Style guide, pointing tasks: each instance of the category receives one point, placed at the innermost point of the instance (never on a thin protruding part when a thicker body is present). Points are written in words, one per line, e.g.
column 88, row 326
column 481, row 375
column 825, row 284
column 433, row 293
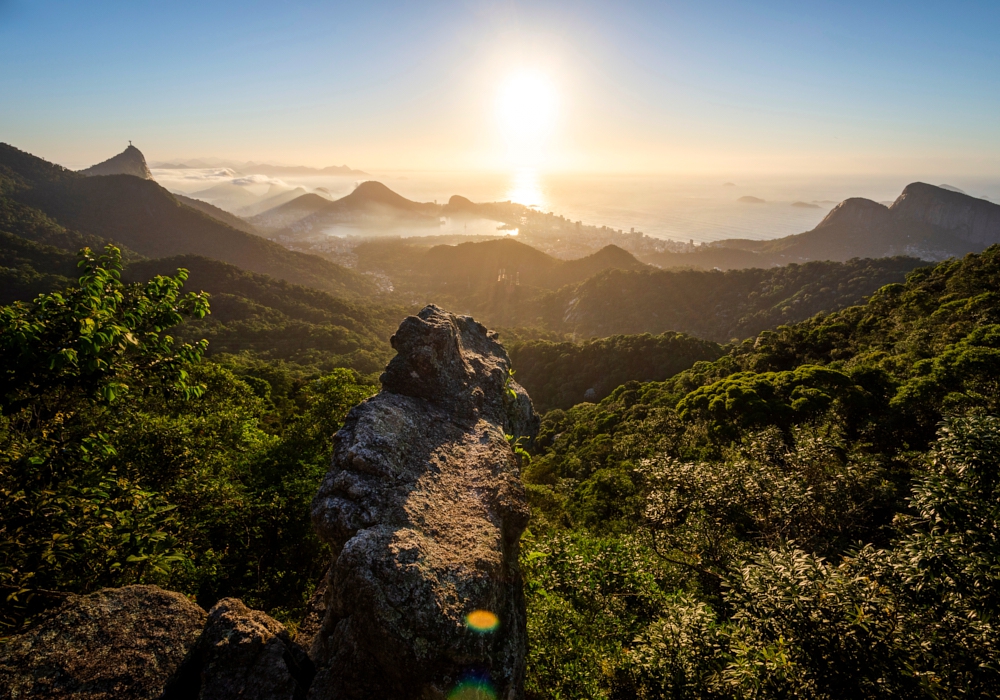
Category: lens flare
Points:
column 482, row 621
column 473, row 690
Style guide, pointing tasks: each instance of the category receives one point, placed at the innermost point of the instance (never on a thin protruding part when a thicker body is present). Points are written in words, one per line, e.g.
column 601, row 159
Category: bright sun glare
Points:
column 526, row 110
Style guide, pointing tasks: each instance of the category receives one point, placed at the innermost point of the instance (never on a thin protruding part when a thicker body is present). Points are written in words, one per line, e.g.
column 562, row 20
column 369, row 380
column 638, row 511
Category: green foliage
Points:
column 588, row 597
column 124, row 458
column 561, row 375
column 275, row 320
column 817, row 531
column 74, row 365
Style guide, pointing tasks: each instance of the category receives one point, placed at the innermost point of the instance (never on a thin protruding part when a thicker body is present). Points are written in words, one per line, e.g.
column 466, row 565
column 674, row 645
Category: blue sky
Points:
column 710, row 86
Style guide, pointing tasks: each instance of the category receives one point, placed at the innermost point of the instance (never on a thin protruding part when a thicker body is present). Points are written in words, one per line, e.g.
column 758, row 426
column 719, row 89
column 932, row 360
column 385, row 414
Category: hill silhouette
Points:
column 228, row 195
column 712, row 304
column 252, row 168
column 145, row 218
column 274, row 197
column 477, row 265
column 370, row 204
column 128, row 162
column 217, row 213
column 288, row 213
column 927, row 222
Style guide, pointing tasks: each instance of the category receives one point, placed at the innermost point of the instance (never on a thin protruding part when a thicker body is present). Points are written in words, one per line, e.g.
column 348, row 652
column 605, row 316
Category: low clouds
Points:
column 258, row 180
column 210, row 174
column 197, row 179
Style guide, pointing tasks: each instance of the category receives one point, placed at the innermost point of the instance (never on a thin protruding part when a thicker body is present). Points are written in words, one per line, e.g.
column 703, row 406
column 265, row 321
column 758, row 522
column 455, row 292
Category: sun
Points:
column 526, row 110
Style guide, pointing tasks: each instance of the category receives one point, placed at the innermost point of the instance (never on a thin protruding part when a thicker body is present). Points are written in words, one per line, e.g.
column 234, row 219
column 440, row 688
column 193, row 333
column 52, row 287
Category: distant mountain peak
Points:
column 373, row 192
column 857, row 211
column 953, row 189
column 960, row 215
column 128, row 162
column 372, row 189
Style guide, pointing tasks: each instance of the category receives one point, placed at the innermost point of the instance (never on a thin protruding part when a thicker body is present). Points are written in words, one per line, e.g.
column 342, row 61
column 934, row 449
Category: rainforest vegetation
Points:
column 809, row 510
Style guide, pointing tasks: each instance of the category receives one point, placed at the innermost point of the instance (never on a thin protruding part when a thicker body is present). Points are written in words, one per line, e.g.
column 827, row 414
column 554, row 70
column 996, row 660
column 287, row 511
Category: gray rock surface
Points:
column 242, row 653
column 966, row 218
column 115, row 643
column 424, row 509
column 308, row 631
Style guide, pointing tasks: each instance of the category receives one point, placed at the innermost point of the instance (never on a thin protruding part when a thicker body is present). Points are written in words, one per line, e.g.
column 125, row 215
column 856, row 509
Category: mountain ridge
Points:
column 146, row 218
column 128, row 162
column 924, row 221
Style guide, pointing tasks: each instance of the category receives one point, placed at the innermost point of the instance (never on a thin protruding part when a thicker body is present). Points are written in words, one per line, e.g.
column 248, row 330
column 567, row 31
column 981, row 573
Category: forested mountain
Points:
column 142, row 216
column 799, row 496
column 507, row 283
column 275, row 320
column 473, row 266
column 715, row 305
column 371, row 203
column 927, row 222
column 561, row 375
column 217, row 213
column 287, row 213
column 28, row 269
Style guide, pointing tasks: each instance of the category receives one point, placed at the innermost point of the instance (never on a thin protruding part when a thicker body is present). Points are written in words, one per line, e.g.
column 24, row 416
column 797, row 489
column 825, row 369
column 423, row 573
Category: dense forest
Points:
column 811, row 514
column 125, row 458
column 509, row 284
column 563, row 374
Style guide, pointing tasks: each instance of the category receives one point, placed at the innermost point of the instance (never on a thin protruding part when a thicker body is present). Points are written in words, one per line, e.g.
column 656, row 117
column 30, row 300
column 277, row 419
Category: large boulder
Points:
column 113, row 644
column 242, row 653
column 424, row 509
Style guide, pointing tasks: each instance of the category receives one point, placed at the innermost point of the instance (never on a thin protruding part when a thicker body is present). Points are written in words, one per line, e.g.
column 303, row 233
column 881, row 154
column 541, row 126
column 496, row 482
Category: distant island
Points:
column 751, row 200
column 805, row 205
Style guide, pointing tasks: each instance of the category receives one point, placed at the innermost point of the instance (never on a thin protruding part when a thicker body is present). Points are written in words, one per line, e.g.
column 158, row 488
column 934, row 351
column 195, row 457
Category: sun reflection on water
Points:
column 526, row 188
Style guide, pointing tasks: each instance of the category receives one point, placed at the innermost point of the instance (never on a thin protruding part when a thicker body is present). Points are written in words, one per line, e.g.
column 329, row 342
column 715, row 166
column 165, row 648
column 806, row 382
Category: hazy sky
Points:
column 707, row 86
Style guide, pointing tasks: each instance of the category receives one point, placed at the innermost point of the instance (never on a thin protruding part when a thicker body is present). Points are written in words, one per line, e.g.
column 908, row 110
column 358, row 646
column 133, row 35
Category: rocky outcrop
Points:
column 424, row 509
column 242, row 653
column 953, row 212
column 113, row 644
column 128, row 162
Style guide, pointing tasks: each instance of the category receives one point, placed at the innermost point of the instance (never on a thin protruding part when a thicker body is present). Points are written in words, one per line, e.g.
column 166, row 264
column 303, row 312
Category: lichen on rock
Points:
column 424, row 509
column 117, row 643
